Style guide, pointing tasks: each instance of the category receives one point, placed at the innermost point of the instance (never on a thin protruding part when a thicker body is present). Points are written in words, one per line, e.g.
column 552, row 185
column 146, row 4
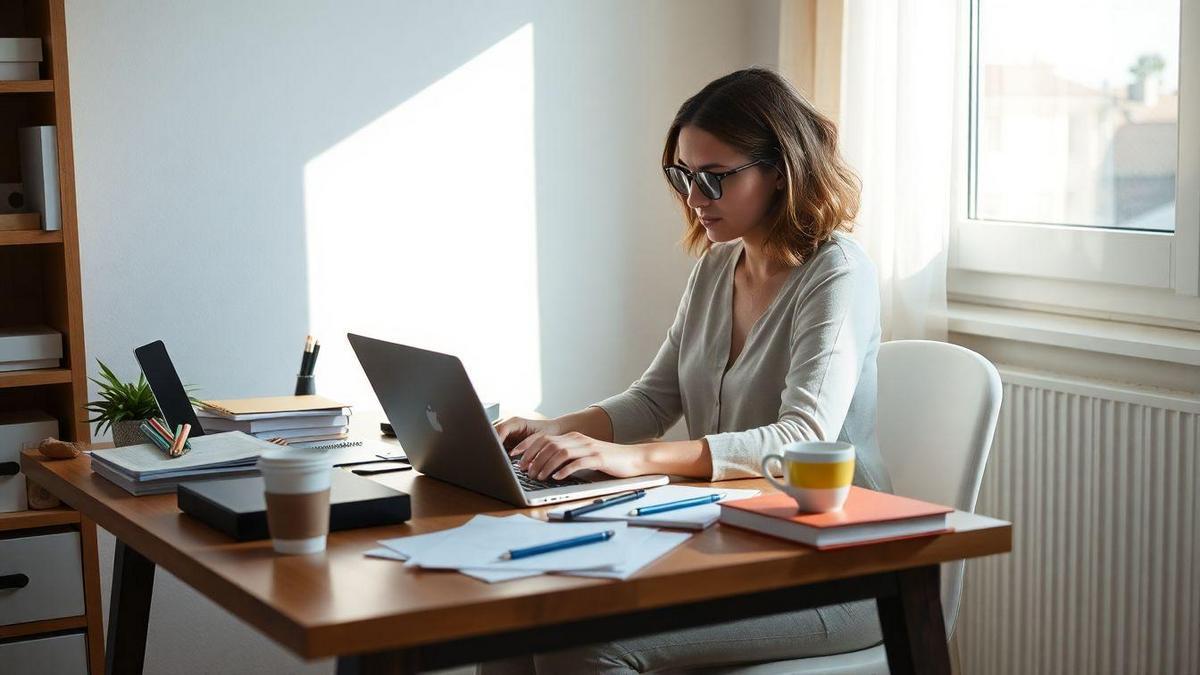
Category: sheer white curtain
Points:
column 897, row 130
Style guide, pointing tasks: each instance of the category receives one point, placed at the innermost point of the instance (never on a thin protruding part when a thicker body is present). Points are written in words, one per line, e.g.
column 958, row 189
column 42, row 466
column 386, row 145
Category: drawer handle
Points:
column 13, row 581
column 9, row 468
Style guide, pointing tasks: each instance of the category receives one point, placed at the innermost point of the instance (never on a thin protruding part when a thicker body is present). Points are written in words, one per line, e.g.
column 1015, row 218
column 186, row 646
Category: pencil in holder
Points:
column 306, row 384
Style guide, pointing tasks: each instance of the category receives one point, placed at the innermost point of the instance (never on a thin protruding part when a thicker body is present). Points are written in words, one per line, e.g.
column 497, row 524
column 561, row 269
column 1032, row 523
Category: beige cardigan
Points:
column 806, row 372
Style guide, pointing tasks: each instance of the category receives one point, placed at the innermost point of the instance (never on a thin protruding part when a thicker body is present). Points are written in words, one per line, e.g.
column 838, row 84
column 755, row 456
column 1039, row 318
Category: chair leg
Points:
column 955, row 656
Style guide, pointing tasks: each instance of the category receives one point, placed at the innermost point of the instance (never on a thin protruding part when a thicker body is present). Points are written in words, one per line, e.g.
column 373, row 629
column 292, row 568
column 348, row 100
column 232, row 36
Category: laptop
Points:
column 445, row 432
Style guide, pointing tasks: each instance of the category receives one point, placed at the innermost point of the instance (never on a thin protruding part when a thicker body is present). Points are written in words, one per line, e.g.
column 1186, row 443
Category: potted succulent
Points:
column 123, row 406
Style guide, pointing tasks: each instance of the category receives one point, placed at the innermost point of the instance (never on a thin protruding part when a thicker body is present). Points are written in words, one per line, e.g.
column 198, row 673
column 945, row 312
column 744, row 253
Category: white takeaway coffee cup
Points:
column 296, row 484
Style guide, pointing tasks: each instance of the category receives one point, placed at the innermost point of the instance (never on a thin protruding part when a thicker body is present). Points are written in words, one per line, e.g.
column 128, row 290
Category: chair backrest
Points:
column 938, row 405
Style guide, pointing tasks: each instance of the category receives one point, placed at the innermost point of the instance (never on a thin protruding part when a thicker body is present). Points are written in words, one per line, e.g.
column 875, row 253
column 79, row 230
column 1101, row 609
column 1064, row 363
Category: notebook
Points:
column 691, row 518
column 238, row 508
column 274, row 406
column 868, row 516
column 253, row 426
column 147, row 461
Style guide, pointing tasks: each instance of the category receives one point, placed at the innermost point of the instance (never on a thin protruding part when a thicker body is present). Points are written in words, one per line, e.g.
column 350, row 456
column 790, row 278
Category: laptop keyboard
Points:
column 530, row 483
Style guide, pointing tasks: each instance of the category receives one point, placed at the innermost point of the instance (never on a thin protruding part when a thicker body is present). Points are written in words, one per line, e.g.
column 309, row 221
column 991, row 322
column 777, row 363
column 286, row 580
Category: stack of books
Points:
column 867, row 517
column 302, row 421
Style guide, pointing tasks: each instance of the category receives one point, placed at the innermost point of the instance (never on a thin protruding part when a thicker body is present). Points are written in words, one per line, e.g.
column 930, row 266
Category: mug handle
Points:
column 767, row 471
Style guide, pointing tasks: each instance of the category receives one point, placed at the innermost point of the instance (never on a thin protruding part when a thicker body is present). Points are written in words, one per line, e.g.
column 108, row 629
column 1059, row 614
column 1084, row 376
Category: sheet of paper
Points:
column 655, row 545
column 479, row 544
column 694, row 517
column 403, row 548
column 489, row 576
column 643, row 546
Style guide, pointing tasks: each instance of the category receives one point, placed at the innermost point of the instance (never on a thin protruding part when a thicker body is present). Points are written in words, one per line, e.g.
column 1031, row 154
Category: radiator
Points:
column 1100, row 483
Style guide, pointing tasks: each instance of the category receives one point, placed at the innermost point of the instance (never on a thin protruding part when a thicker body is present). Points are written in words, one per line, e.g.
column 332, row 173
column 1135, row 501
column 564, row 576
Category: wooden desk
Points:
column 379, row 616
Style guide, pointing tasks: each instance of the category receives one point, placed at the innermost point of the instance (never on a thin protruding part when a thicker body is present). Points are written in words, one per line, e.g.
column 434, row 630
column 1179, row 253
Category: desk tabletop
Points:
column 342, row 602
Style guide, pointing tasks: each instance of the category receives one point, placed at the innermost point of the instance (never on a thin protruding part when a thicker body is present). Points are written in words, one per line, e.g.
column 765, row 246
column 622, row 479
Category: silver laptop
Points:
column 438, row 419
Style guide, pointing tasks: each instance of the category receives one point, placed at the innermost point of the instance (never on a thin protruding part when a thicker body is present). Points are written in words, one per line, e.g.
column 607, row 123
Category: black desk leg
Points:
column 393, row 663
column 914, row 632
column 128, row 611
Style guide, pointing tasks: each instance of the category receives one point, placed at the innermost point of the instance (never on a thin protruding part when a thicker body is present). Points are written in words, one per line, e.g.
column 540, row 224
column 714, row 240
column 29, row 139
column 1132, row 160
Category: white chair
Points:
column 938, row 405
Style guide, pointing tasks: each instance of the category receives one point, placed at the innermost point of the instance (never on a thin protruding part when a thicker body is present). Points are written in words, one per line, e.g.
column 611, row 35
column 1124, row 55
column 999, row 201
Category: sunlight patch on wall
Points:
column 422, row 230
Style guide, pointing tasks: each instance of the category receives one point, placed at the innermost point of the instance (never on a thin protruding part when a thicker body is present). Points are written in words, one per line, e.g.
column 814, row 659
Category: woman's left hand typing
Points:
column 545, row 456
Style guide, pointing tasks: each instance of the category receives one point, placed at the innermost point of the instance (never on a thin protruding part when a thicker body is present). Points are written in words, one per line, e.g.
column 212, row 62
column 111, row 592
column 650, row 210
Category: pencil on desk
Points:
column 152, row 434
column 181, row 437
column 162, row 431
column 177, row 441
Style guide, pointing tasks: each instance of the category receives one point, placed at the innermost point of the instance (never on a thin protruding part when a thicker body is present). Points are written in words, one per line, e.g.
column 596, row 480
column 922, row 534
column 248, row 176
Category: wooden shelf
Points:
column 45, row 626
column 23, row 520
column 26, row 237
column 33, row 378
column 26, row 86
column 40, row 283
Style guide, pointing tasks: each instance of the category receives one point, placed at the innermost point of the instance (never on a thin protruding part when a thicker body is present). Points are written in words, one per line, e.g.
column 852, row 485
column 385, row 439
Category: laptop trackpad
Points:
column 590, row 476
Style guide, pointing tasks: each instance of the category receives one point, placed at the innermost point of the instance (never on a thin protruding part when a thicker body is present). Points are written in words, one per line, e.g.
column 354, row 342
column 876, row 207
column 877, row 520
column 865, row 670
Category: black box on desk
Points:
column 238, row 507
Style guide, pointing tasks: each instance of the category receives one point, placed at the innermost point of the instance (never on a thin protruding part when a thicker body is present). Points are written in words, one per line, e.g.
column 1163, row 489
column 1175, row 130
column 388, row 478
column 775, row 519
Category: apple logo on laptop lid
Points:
column 432, row 416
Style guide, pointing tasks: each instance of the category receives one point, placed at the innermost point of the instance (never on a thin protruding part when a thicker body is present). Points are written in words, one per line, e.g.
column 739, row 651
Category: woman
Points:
column 774, row 341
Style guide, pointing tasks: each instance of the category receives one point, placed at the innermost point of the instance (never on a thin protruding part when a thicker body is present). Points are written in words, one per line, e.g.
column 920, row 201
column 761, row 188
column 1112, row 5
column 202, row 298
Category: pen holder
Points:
column 306, row 384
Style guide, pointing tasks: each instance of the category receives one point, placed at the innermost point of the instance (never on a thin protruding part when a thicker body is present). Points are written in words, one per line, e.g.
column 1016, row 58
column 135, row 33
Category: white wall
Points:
column 250, row 172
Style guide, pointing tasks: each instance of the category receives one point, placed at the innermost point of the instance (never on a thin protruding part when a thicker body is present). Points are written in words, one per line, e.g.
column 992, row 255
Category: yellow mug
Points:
column 817, row 474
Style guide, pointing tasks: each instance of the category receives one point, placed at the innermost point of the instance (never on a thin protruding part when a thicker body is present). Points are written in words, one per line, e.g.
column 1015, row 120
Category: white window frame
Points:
column 1147, row 277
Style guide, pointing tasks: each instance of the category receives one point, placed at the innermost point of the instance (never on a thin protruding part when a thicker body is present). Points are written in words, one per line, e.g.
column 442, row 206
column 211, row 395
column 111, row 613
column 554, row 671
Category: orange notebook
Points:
column 867, row 517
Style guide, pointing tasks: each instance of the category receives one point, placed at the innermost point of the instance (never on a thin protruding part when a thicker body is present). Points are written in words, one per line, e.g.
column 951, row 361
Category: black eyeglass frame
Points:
column 716, row 178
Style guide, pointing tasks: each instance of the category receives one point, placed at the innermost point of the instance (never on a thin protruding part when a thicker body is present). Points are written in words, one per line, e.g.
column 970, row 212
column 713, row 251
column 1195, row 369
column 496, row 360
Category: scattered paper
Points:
column 474, row 549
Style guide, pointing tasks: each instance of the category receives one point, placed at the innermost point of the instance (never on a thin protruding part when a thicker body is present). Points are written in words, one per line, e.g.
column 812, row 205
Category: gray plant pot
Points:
column 127, row 433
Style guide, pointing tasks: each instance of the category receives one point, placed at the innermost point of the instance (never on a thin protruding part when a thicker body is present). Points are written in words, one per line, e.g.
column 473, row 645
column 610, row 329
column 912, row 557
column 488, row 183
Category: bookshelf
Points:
column 40, row 284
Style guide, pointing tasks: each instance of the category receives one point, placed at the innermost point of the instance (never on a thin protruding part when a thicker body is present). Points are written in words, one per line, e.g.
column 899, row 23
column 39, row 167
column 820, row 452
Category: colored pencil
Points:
column 181, row 440
column 162, row 430
column 152, row 434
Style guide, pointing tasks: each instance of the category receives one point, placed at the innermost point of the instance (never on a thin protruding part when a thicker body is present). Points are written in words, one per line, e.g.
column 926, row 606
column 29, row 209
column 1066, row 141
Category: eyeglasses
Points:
column 710, row 183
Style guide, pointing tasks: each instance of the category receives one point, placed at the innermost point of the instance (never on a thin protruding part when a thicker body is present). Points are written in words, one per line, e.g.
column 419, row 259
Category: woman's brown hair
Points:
column 759, row 113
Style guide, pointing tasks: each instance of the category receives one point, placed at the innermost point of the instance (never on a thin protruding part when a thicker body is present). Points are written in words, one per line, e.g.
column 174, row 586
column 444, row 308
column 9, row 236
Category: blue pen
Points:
column 681, row 504
column 593, row 538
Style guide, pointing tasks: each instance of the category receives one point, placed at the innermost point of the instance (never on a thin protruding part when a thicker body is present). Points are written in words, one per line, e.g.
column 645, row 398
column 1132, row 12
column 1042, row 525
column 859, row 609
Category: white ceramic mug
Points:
column 817, row 474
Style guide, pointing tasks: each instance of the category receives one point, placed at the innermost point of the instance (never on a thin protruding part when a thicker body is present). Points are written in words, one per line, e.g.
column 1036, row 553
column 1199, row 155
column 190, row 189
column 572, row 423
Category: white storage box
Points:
column 16, row 429
column 20, row 58
column 30, row 343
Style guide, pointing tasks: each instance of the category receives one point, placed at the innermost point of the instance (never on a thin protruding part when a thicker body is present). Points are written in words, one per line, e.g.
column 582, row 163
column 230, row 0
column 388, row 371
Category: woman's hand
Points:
column 513, row 430
column 548, row 455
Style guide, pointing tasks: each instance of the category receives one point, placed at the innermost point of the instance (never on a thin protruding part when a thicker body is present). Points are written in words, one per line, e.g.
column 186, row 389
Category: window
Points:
column 1077, row 105
column 1079, row 162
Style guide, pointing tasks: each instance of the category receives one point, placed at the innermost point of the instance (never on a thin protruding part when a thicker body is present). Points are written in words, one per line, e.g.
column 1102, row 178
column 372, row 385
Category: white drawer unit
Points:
column 58, row 654
column 16, row 429
column 40, row 578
